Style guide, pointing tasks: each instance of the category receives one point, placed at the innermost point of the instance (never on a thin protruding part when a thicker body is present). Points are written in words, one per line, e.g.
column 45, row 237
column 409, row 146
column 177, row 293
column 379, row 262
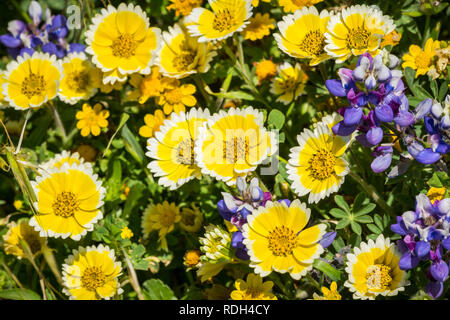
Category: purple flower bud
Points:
column 341, row 129
column 35, row 12
column 446, row 243
column 384, row 74
column 77, row 47
column 10, row 41
column 359, row 73
column 437, row 110
column 335, row 87
column 439, row 271
column 223, row 210
column 50, row 48
column 352, row 116
column 370, row 82
column 428, row 156
column 327, row 239
column 404, row 118
column 16, row 27
column 434, row 289
column 422, row 249
column 445, row 122
column 28, row 51
column 384, row 113
column 423, row 108
column 374, row 135
column 381, row 163
column 244, row 212
column 443, row 207
column 408, row 261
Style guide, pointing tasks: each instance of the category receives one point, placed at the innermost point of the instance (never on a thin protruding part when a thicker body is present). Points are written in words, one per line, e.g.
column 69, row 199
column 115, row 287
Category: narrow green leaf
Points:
column 378, row 221
column 373, row 228
column 356, row 227
column 341, row 203
column 338, row 213
column 363, row 219
column 19, row 294
column 434, row 88
column 123, row 119
column 328, row 269
column 342, row 223
column 365, row 210
column 443, row 91
column 132, row 145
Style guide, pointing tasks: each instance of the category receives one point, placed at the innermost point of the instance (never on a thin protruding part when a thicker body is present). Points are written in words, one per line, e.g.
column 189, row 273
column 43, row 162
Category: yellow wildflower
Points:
column 91, row 120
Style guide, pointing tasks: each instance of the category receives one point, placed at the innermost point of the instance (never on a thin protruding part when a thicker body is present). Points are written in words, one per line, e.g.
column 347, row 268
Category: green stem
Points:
column 27, row 116
column 372, row 192
column 201, row 86
column 426, row 33
column 58, row 121
column 132, row 275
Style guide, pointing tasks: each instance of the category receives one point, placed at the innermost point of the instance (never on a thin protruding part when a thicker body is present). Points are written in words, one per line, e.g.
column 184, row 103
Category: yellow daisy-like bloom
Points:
column 126, row 233
column 191, row 259
column 22, row 231
column 356, row 30
column 121, row 42
column 68, row 201
column 91, row 120
column 259, row 27
column 152, row 124
column 161, row 217
column 253, row 289
column 421, row 60
column 373, row 269
column 31, row 80
column 149, row 86
column 289, row 84
column 64, row 157
column 277, row 241
column 255, row 3
column 233, row 143
column 172, row 148
column 191, row 219
column 391, row 39
column 181, row 55
column 436, row 194
column 79, row 80
column 328, row 294
column 316, row 166
column 175, row 97
column 294, row 5
column 226, row 18
column 184, row 7
column 302, row 35
column 265, row 69
column 91, row 274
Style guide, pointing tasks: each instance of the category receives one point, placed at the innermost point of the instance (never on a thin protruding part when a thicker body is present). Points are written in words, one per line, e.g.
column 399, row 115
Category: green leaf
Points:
column 420, row 92
column 123, row 119
column 328, row 269
column 338, row 213
column 234, row 95
column 155, row 289
column 373, row 228
column 438, row 180
column 356, row 227
column 342, row 223
column 276, row 118
column 136, row 192
column 363, row 219
column 409, row 76
column 434, row 87
column 443, row 91
column 379, row 222
column 359, row 200
column 365, row 210
column 132, row 145
column 342, row 203
column 19, row 294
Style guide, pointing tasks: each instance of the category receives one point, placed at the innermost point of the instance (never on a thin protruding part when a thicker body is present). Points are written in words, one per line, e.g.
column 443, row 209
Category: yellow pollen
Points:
column 378, row 277
column 33, row 85
column 167, row 218
column 78, row 81
column 282, row 241
column 65, row 205
column 358, row 38
column 422, row 60
column 183, row 60
column 322, row 164
column 186, row 152
column 93, row 278
column 124, row 46
column 223, row 20
column 313, row 43
column 236, row 149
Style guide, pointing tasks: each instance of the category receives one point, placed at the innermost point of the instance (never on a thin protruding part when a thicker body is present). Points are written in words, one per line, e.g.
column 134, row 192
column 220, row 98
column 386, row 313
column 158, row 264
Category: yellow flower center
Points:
column 282, row 241
column 186, row 151
column 289, row 84
column 313, row 43
column 167, row 218
column 33, row 85
column 65, row 205
column 124, row 46
column 378, row 277
column 78, row 81
column 322, row 164
column 223, row 20
column 174, row 96
column 423, row 60
column 236, row 149
column 183, row 60
column 358, row 38
column 93, row 278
